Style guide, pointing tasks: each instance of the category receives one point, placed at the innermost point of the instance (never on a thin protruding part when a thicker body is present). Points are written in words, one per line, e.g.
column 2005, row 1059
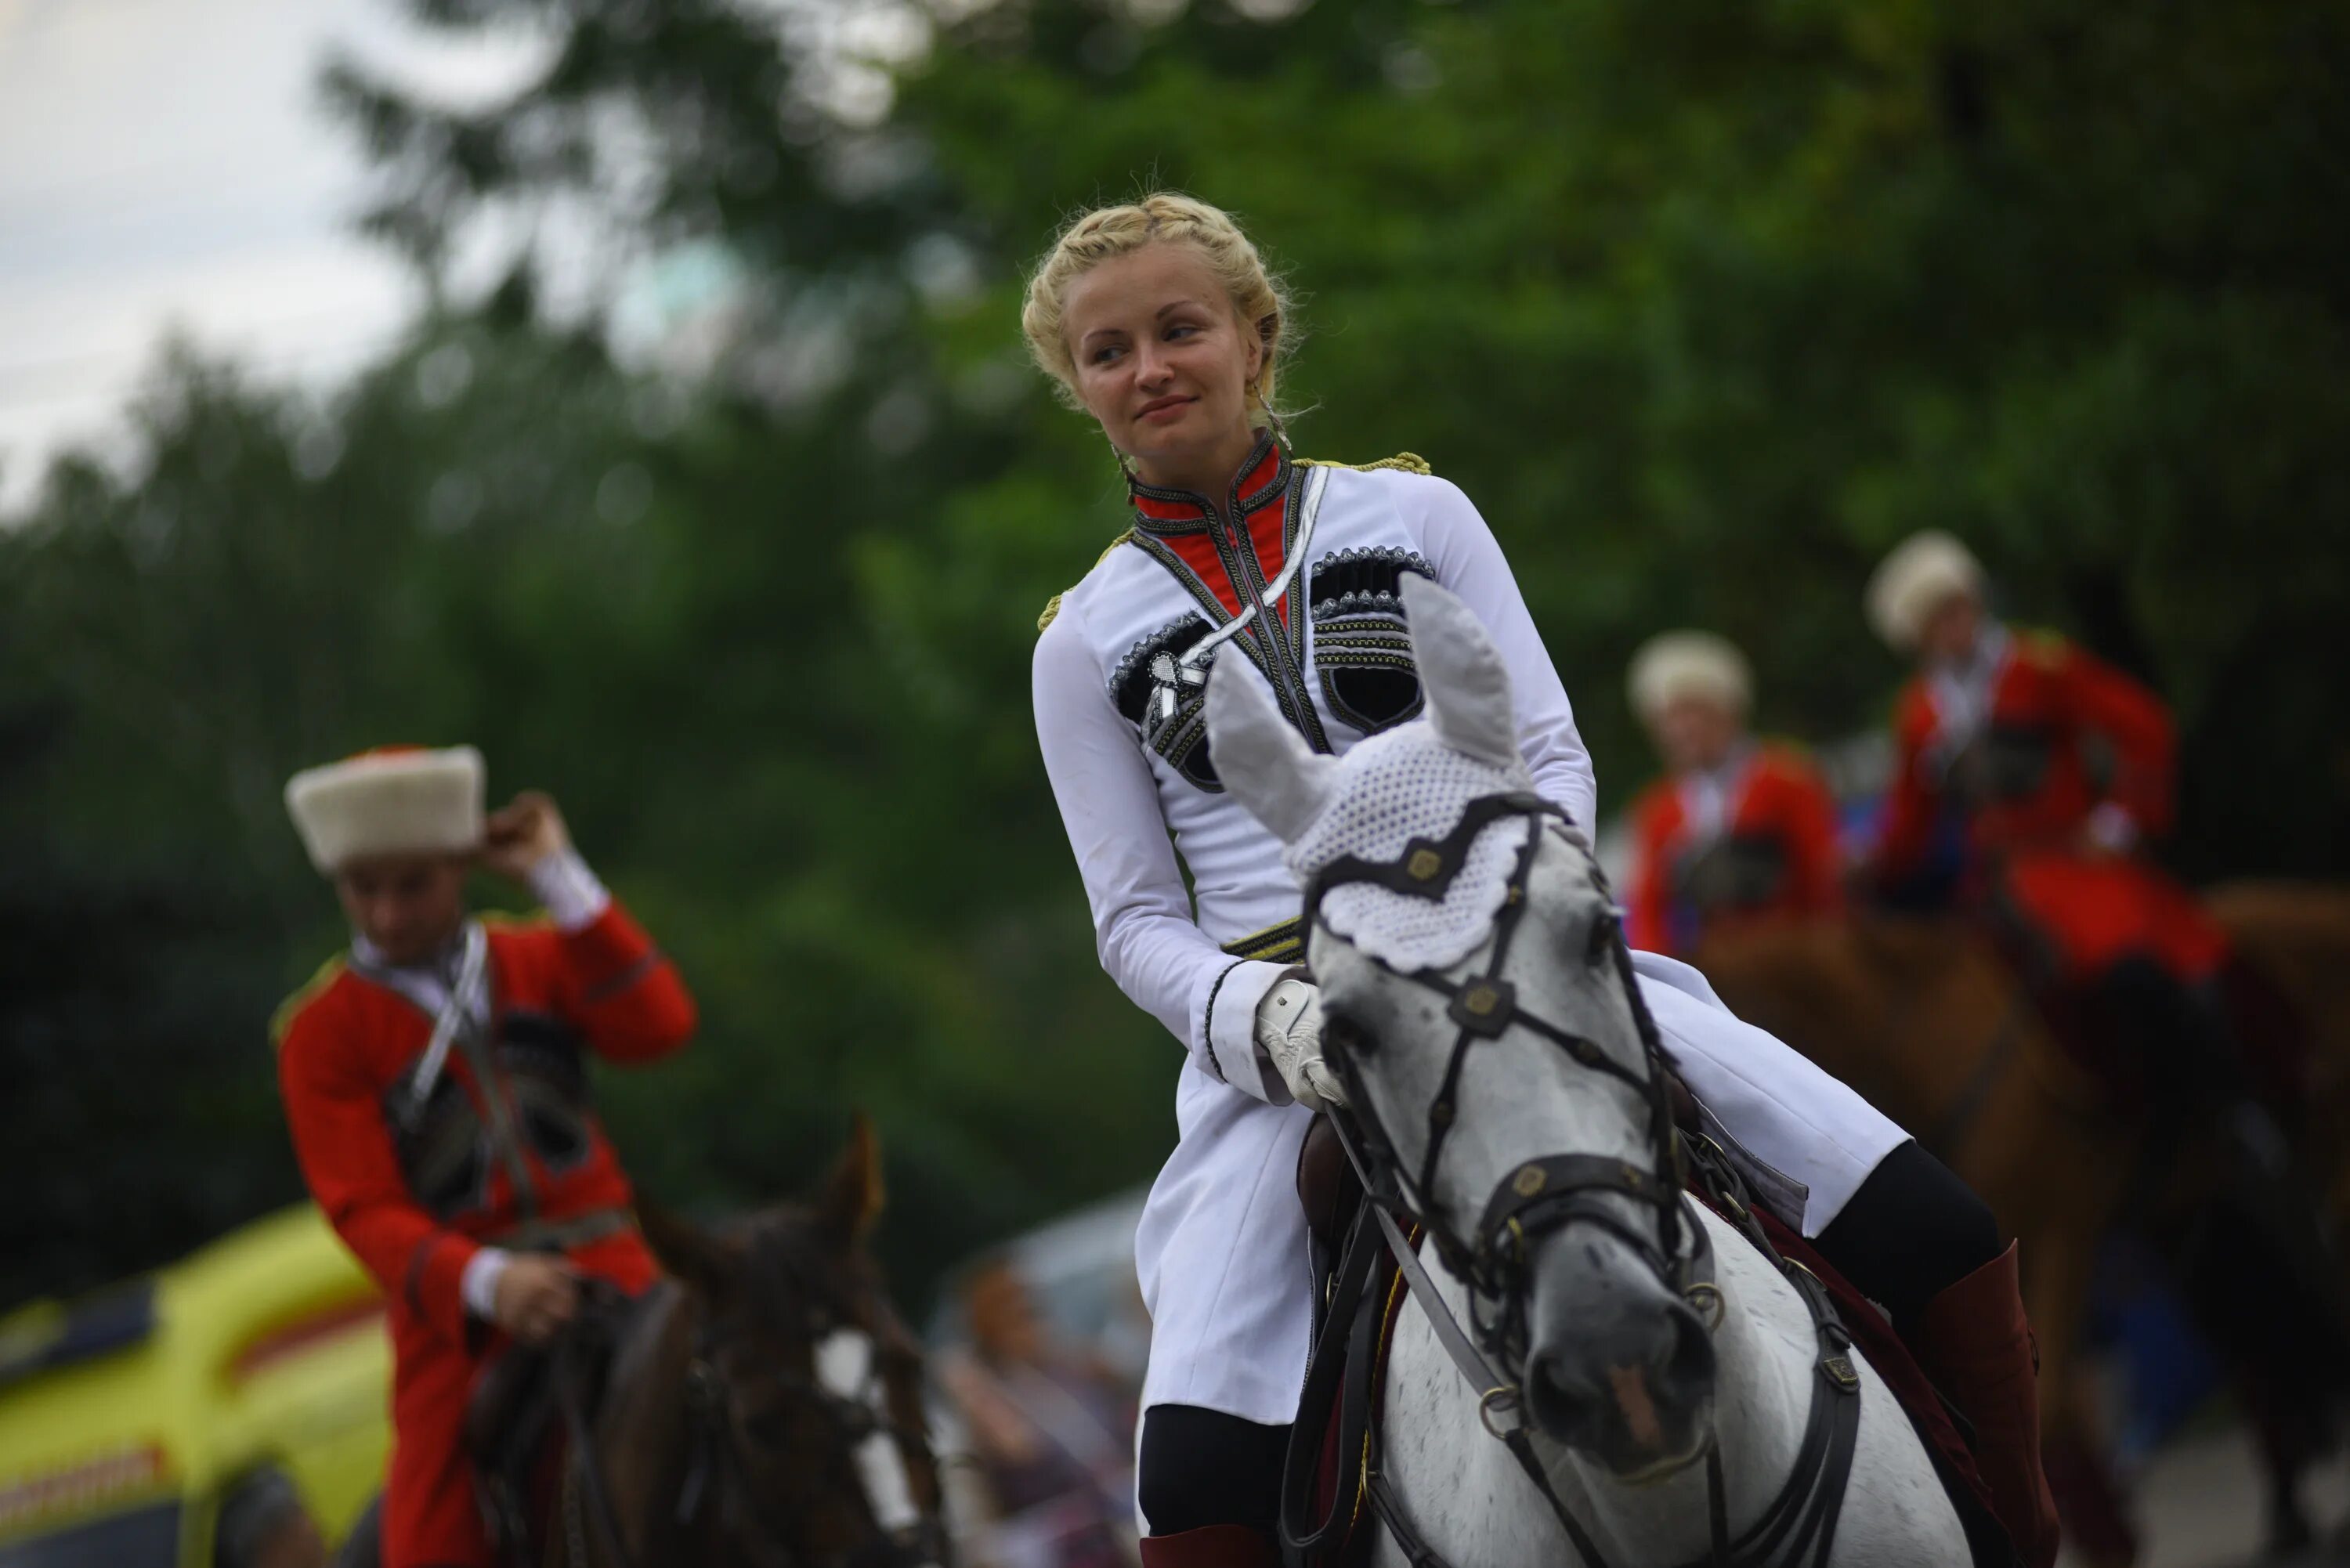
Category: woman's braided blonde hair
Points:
column 1258, row 297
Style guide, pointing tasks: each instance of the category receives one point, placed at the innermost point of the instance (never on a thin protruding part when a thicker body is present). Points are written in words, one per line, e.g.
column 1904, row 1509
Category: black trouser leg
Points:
column 1201, row 1467
column 1912, row 1232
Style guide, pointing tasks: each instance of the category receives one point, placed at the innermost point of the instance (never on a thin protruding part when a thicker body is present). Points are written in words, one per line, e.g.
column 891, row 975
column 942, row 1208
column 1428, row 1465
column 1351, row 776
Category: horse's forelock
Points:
column 791, row 1263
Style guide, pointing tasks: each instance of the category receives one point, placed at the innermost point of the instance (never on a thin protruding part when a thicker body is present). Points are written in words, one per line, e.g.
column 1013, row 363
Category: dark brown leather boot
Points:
column 1216, row 1546
column 1973, row 1342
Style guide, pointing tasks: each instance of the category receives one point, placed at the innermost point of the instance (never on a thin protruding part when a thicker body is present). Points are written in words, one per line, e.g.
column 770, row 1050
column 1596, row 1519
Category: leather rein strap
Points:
column 1542, row 1195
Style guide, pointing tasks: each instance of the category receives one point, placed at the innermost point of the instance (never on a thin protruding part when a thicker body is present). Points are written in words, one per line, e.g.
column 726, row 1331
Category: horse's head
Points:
column 1480, row 1009
column 804, row 1391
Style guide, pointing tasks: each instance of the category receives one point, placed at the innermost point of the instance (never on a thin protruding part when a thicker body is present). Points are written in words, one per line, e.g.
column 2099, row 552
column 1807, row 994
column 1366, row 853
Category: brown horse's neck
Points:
column 641, row 1439
column 1903, row 1010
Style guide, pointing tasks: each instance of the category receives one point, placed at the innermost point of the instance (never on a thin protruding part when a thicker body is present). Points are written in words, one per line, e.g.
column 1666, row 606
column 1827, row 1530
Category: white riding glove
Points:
column 1289, row 1032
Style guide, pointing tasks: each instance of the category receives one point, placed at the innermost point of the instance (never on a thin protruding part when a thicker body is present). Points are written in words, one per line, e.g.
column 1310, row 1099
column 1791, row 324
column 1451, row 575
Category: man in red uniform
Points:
column 2034, row 774
column 435, row 1082
column 2029, row 776
column 1737, row 832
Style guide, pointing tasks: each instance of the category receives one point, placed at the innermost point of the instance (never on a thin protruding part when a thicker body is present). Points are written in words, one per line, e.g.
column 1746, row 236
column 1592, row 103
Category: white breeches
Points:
column 1222, row 1249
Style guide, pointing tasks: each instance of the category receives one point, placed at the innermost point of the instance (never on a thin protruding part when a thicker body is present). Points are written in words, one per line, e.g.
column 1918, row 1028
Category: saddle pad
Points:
column 1351, row 1471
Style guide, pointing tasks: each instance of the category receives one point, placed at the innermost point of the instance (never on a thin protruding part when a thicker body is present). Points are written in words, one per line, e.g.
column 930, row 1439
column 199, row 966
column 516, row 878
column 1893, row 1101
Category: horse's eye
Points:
column 769, row 1425
column 1602, row 938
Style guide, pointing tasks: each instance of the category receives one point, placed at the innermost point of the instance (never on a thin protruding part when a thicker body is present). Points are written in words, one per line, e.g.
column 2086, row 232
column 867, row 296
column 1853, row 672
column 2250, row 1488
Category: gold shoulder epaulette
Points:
column 1052, row 605
column 283, row 1019
column 2040, row 645
column 1409, row 461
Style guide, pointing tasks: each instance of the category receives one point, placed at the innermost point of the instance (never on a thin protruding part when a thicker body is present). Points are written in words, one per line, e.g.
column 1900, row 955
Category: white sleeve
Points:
column 572, row 895
column 1143, row 928
column 477, row 1287
column 1469, row 560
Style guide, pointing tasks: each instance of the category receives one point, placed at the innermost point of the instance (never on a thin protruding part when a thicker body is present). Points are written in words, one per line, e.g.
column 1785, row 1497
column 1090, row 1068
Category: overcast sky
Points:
column 164, row 165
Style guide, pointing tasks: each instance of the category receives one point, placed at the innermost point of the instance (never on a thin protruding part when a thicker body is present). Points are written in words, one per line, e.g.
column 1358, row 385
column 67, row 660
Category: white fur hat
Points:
column 398, row 800
column 1923, row 572
column 1677, row 664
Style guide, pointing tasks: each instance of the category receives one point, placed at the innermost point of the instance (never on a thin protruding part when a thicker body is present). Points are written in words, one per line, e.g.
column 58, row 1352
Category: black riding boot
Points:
column 1210, row 1487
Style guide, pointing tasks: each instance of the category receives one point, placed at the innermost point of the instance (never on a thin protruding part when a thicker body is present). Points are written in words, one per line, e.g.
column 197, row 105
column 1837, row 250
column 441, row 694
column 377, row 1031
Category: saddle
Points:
column 1358, row 1293
column 1352, row 1272
column 527, row 1406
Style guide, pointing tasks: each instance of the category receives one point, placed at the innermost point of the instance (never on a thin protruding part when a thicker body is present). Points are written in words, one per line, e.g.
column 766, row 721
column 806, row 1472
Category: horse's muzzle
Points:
column 1619, row 1368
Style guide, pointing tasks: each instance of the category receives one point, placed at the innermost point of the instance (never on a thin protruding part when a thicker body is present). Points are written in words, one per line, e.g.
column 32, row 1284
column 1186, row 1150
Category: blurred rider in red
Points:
column 1738, row 832
column 435, row 1079
column 2029, row 778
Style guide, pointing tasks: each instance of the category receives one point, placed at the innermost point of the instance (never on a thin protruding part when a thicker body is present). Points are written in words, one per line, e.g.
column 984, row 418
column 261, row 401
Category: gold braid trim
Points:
column 1281, row 943
column 283, row 1019
column 1052, row 605
column 1408, row 461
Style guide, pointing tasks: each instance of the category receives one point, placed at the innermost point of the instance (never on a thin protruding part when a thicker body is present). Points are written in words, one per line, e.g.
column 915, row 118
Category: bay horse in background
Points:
column 760, row 1407
column 1930, row 1021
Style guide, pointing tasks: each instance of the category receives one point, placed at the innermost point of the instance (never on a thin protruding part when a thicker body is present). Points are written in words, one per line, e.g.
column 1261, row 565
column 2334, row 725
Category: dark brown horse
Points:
column 760, row 1407
column 764, row 1407
column 2296, row 937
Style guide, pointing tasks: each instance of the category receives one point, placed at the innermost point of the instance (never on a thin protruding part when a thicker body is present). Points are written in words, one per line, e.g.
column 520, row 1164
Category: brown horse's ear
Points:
column 687, row 1252
column 854, row 1193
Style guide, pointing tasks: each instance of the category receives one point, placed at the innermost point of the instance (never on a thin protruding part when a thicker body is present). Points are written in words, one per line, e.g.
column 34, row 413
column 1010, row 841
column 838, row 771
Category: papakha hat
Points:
column 392, row 800
column 1924, row 572
column 1674, row 665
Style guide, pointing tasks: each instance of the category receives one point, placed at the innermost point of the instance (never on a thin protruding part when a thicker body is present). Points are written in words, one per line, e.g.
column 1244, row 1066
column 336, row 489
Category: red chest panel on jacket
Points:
column 2033, row 771
column 506, row 1134
column 1775, row 857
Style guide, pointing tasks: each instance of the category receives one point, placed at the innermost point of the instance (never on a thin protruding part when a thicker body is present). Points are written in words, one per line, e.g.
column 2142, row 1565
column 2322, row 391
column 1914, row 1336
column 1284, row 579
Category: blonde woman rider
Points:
column 1158, row 320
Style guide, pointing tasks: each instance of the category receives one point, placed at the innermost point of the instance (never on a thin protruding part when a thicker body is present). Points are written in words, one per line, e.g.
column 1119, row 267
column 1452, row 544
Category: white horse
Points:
column 1467, row 1071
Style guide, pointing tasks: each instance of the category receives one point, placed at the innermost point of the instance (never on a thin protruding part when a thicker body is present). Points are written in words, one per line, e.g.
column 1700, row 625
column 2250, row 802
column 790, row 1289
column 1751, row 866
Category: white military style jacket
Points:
column 1119, row 709
column 1295, row 570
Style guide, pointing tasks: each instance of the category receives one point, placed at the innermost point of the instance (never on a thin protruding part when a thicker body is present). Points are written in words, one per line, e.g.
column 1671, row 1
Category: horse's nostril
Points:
column 1686, row 1374
column 1559, row 1401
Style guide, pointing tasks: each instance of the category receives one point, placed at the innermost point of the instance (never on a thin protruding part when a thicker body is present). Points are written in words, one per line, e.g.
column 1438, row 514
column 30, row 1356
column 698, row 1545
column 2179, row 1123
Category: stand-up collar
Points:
column 1260, row 480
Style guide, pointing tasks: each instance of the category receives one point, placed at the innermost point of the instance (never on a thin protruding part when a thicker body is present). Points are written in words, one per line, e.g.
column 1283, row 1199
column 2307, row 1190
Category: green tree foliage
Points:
column 1705, row 306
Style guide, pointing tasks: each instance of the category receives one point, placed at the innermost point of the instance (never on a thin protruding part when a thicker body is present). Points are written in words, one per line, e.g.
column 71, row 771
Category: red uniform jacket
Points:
column 2064, row 735
column 1776, row 858
column 348, row 1046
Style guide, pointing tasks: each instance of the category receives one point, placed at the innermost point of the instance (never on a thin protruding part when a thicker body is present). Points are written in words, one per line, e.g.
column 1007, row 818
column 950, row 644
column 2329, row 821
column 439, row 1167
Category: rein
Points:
column 1541, row 1196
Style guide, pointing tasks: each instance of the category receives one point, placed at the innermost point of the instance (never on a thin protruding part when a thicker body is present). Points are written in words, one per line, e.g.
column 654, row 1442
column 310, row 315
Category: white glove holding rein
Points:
column 1289, row 1032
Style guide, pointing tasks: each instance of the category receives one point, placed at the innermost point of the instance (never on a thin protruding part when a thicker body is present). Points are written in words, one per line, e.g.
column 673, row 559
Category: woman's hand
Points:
column 518, row 837
column 1289, row 1032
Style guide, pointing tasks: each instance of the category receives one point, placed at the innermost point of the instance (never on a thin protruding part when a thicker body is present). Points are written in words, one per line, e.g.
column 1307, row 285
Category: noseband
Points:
column 1542, row 1195
column 1550, row 1192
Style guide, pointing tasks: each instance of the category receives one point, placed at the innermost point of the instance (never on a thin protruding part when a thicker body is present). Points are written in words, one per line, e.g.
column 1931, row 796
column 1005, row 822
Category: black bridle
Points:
column 1545, row 1195
column 1542, row 1195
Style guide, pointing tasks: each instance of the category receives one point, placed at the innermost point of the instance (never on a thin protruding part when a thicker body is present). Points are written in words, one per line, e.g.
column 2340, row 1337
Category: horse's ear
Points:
column 854, row 1193
column 686, row 1251
column 1460, row 670
column 1265, row 762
